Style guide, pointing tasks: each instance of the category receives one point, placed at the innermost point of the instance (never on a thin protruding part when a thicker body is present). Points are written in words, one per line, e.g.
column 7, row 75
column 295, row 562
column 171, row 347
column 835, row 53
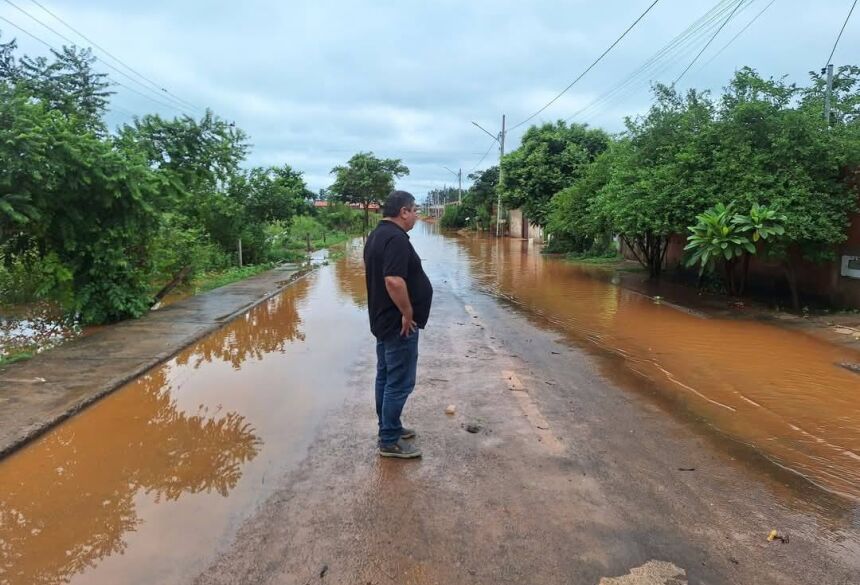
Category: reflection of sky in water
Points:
column 184, row 453
column 40, row 331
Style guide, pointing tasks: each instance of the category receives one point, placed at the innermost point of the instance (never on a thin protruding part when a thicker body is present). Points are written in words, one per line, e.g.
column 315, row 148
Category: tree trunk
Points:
column 655, row 249
column 366, row 216
column 178, row 278
column 791, row 276
column 745, row 272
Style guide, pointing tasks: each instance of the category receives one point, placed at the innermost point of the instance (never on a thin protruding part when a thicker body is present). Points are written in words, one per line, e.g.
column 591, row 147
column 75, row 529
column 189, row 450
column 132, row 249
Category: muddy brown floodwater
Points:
column 144, row 486
column 147, row 485
column 781, row 392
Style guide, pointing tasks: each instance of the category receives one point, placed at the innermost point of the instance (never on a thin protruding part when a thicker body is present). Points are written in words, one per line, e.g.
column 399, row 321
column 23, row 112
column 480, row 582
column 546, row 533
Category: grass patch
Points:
column 599, row 259
column 14, row 356
column 296, row 249
column 207, row 281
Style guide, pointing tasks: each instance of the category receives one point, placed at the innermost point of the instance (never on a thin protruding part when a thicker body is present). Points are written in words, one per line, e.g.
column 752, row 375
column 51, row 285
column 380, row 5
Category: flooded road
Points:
column 183, row 454
column 781, row 392
column 149, row 484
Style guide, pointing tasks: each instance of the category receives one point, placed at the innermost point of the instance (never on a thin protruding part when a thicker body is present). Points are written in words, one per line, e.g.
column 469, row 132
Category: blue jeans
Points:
column 396, row 366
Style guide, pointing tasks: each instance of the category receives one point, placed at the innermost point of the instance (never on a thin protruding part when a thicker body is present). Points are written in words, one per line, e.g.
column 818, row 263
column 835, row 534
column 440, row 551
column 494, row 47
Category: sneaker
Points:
column 407, row 433
column 400, row 449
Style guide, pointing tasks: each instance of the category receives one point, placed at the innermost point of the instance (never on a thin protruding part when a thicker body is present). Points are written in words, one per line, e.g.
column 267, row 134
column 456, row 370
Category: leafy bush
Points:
column 340, row 217
column 303, row 226
column 176, row 246
column 457, row 216
column 26, row 276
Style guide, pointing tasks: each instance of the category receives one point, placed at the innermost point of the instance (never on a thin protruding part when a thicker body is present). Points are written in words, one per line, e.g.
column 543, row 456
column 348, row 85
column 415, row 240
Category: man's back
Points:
column 388, row 252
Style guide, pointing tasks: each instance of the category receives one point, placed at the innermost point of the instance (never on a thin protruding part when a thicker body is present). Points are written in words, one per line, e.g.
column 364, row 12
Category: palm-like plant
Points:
column 722, row 234
column 760, row 224
column 717, row 236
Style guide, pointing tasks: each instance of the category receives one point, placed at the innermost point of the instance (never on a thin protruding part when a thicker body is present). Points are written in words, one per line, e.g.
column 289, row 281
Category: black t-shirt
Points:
column 388, row 252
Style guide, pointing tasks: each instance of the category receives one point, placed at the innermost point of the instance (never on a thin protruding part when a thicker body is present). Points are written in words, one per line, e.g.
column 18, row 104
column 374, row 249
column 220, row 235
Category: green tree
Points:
column 366, row 179
column 201, row 162
column 66, row 82
column 481, row 197
column 573, row 223
column 660, row 175
column 775, row 149
column 550, row 158
column 94, row 202
column 276, row 193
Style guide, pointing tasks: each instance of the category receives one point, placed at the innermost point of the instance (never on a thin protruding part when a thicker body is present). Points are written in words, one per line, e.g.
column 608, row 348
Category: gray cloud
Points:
column 314, row 82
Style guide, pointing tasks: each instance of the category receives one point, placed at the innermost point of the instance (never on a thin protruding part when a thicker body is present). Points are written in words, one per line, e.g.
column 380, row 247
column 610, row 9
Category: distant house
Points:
column 521, row 227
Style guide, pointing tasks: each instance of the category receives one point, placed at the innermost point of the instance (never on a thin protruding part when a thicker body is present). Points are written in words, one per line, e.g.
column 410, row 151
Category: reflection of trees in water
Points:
column 266, row 328
column 349, row 274
column 67, row 500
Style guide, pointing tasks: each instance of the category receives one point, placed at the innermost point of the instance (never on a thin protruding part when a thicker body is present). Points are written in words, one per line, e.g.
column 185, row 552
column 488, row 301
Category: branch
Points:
column 632, row 249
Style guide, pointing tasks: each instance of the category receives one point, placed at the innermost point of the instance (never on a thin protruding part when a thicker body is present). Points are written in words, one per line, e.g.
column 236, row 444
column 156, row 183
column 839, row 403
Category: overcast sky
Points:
column 313, row 82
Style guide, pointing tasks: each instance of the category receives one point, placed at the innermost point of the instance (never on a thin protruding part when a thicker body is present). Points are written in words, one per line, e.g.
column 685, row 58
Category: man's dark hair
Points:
column 396, row 201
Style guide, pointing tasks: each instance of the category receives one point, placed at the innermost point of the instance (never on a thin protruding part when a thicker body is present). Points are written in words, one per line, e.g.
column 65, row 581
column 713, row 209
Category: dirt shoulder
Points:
column 37, row 394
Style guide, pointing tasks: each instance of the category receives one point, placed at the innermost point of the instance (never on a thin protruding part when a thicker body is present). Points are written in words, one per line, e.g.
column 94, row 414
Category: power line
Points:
column 840, row 33
column 105, row 63
column 740, row 32
column 590, row 67
column 122, row 111
column 711, row 40
column 492, row 144
column 671, row 51
column 113, row 81
column 112, row 56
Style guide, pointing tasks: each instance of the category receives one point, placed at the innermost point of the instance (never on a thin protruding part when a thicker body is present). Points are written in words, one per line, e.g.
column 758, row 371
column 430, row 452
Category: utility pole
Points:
column 828, row 93
column 501, row 178
column 500, row 138
column 459, row 175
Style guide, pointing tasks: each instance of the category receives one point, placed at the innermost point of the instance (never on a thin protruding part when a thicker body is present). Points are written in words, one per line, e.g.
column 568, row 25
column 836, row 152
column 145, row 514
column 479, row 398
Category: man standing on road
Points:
column 399, row 295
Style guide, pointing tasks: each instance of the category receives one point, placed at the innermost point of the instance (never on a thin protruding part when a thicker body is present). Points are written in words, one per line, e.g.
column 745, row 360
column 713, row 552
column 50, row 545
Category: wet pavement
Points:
column 782, row 392
column 618, row 437
column 37, row 394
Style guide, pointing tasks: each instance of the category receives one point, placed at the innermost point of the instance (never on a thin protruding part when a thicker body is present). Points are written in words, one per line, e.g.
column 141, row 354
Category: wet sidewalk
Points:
column 37, row 394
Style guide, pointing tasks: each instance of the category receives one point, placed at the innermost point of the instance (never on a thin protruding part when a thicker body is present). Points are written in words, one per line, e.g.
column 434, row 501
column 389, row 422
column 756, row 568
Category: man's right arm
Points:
column 399, row 293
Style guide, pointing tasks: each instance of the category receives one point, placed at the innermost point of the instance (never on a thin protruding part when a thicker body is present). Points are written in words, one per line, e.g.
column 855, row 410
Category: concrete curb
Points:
column 40, row 393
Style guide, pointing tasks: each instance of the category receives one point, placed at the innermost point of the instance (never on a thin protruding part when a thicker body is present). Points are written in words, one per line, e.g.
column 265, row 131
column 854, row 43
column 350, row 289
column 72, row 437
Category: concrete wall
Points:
column 523, row 229
column 822, row 281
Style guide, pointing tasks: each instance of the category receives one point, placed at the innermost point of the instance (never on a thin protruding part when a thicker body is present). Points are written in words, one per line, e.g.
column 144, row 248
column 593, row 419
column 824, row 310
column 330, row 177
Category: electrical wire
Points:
column 105, row 63
column 842, row 30
column 740, row 32
column 115, row 58
column 113, row 81
column 664, row 58
column 493, row 143
column 711, row 40
column 675, row 45
column 590, row 67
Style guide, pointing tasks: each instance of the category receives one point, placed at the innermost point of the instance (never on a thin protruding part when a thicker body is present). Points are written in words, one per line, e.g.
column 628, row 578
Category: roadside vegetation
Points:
column 755, row 171
column 95, row 222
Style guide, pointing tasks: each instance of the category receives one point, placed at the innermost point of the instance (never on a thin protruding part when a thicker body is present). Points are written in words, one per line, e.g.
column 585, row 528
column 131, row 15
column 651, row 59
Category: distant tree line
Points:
column 96, row 220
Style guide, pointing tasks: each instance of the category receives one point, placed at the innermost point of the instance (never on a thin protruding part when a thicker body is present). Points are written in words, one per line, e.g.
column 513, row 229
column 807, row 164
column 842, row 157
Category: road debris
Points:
column 774, row 535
